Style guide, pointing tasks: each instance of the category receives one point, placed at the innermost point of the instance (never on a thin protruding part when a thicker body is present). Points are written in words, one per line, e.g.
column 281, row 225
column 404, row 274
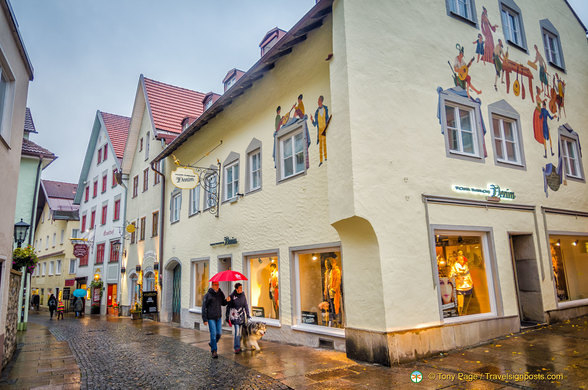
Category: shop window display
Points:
column 463, row 275
column 321, row 289
column 201, row 276
column 264, row 281
column 569, row 258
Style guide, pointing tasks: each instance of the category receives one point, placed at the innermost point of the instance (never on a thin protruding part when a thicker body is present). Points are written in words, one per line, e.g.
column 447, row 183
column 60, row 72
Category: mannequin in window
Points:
column 332, row 291
column 463, row 281
column 274, row 289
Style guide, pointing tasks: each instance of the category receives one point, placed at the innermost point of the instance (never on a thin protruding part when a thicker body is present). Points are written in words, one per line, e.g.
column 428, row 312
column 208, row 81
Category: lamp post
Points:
column 20, row 232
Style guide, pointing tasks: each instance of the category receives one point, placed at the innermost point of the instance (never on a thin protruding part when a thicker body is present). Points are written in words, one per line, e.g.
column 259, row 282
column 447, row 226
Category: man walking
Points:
column 212, row 315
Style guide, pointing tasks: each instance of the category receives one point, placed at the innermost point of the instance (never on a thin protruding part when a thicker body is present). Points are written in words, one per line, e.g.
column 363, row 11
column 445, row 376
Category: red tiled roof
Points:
column 118, row 131
column 30, row 148
column 59, row 189
column 29, row 125
column 170, row 105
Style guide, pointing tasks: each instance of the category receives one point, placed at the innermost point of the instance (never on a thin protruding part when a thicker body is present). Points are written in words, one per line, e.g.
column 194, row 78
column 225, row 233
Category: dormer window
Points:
column 208, row 104
column 230, row 83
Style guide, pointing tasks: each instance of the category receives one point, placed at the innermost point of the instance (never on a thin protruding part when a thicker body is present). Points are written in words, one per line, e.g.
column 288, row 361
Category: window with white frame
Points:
column 58, row 267
column 255, row 170
column 72, row 266
column 44, row 268
column 6, row 103
column 552, row 44
column 571, row 157
column 149, row 281
column 292, row 155
column 464, row 9
column 194, row 200
column 512, row 22
column 147, row 139
column 200, row 270
column 461, row 129
column 51, row 267
column 506, row 143
column 231, row 181
column 62, row 236
column 176, row 205
column 47, row 243
column 54, row 239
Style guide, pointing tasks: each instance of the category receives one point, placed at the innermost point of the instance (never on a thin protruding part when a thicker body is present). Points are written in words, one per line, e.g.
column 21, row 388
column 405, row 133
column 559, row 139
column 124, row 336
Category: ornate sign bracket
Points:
column 209, row 180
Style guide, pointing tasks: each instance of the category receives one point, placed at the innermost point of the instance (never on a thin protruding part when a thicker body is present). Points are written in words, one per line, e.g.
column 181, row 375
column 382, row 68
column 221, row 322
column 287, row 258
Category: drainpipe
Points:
column 122, row 243
column 161, row 225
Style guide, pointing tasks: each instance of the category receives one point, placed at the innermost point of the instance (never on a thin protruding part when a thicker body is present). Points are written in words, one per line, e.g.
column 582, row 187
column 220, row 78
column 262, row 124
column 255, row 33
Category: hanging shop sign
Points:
column 185, row 178
column 149, row 302
column 227, row 241
column 80, row 250
column 492, row 192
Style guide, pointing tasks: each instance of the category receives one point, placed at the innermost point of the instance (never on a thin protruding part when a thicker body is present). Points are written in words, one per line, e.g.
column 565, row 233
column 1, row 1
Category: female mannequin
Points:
column 463, row 281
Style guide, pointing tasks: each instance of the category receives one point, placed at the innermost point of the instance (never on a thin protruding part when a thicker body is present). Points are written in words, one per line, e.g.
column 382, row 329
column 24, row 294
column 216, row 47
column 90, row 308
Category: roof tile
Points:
column 29, row 125
column 30, row 148
column 118, row 130
column 59, row 189
column 170, row 105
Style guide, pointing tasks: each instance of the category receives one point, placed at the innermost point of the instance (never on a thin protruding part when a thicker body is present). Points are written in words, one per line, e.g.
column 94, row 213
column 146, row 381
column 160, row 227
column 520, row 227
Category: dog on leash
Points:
column 251, row 333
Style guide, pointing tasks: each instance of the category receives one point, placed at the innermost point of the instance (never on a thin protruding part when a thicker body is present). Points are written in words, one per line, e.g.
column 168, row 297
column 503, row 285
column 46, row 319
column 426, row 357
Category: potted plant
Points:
column 113, row 309
column 95, row 309
column 136, row 312
column 24, row 257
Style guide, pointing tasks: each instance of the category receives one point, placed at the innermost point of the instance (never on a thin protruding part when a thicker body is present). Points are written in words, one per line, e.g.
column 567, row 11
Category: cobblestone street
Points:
column 101, row 353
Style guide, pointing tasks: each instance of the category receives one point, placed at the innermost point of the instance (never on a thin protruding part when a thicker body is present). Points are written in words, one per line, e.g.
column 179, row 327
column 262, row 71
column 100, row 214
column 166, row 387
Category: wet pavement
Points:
column 114, row 353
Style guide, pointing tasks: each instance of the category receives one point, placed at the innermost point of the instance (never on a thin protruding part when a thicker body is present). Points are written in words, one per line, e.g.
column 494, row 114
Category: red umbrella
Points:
column 228, row 276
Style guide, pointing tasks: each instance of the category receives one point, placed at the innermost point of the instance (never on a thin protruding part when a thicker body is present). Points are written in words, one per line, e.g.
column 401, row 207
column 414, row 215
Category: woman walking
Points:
column 78, row 307
column 52, row 303
column 238, row 314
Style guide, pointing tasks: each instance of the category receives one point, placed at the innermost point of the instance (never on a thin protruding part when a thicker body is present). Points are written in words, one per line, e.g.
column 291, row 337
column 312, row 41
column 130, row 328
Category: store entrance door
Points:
column 176, row 294
column 111, row 296
column 224, row 264
column 527, row 279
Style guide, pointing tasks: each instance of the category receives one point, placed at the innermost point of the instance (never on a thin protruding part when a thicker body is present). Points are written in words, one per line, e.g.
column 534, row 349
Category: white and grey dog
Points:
column 251, row 333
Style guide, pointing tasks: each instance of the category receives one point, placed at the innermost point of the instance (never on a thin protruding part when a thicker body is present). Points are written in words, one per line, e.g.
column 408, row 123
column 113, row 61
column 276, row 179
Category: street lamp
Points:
column 20, row 232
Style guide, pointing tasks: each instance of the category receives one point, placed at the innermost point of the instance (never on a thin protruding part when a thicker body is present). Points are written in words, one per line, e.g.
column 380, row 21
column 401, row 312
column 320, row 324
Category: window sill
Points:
column 576, row 179
column 557, row 66
column 517, row 46
column 464, row 19
column 575, row 303
column 468, row 318
column 231, row 201
column 318, row 329
column 508, row 164
column 253, row 191
column 268, row 321
column 194, row 213
column 283, row 180
column 195, row 310
column 174, row 222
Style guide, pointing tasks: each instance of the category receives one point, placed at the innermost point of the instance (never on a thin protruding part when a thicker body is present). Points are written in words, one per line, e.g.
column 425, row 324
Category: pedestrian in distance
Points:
column 78, row 307
column 237, row 314
column 52, row 303
column 60, row 309
column 36, row 301
column 212, row 304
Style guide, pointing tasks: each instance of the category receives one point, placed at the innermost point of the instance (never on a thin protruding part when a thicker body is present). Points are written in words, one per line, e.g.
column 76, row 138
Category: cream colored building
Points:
column 160, row 112
column 15, row 73
column 57, row 222
column 439, row 221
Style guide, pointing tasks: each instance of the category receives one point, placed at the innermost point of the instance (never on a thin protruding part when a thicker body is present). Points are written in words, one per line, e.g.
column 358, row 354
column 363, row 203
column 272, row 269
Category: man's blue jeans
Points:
column 215, row 327
column 237, row 341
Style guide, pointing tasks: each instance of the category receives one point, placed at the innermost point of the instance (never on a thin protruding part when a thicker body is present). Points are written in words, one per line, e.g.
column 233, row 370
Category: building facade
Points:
column 57, row 222
column 15, row 73
column 452, row 208
column 160, row 112
column 102, row 203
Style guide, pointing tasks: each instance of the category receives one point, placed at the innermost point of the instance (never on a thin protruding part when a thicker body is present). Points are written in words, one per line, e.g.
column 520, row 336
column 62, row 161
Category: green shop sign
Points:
column 492, row 192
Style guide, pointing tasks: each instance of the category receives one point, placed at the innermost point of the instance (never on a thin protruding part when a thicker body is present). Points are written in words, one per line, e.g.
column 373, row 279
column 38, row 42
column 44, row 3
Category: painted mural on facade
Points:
column 547, row 96
column 295, row 116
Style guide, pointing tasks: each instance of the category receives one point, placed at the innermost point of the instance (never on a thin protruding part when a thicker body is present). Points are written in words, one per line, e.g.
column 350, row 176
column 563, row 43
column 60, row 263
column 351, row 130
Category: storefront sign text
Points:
column 184, row 178
column 493, row 191
column 149, row 302
column 227, row 241
column 80, row 250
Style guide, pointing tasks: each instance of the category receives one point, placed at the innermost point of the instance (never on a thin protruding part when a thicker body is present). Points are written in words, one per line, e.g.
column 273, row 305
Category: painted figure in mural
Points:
column 274, row 289
column 542, row 71
column 487, row 30
column 479, row 47
column 321, row 121
column 560, row 91
column 537, row 122
column 278, row 118
column 498, row 58
column 332, row 292
column 543, row 116
column 299, row 108
column 462, row 69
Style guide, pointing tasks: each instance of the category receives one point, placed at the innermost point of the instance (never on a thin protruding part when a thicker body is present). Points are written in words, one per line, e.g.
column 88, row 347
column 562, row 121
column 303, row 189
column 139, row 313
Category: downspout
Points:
column 161, row 225
column 122, row 242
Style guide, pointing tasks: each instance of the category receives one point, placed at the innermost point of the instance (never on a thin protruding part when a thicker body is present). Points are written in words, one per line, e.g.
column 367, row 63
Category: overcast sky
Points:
column 88, row 56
